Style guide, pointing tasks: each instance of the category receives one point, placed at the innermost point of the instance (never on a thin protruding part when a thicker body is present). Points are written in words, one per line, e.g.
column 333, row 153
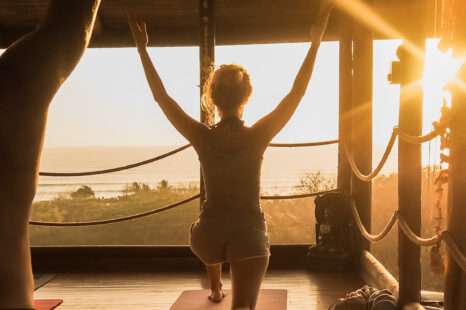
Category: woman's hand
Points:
column 139, row 32
column 318, row 28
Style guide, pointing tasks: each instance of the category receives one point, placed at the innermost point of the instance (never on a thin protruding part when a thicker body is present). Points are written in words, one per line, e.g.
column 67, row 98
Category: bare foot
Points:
column 217, row 295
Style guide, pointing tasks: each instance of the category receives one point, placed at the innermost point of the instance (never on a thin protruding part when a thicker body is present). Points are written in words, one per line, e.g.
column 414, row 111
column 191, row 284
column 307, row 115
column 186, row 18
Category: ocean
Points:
column 282, row 168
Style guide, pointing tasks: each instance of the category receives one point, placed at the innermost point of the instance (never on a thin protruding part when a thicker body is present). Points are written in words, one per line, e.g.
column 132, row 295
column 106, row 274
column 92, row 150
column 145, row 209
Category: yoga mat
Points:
column 197, row 300
column 40, row 279
column 47, row 304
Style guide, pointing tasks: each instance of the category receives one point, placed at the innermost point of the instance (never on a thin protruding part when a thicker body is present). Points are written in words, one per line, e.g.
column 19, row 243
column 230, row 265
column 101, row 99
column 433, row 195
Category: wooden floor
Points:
column 306, row 290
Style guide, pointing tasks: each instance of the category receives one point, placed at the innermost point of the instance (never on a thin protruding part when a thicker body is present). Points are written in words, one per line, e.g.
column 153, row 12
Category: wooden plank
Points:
column 158, row 291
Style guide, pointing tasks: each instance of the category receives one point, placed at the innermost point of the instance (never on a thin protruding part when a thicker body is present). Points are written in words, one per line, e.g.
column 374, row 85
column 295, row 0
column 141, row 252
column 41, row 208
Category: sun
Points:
column 439, row 69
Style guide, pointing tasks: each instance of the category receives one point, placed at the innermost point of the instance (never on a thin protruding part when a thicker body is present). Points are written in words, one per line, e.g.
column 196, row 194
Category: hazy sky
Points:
column 107, row 102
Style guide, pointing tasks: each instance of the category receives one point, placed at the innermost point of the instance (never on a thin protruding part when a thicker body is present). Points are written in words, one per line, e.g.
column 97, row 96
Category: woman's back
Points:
column 231, row 159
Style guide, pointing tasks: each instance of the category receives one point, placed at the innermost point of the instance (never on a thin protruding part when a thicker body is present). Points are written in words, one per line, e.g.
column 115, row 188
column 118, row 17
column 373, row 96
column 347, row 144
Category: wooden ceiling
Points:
column 175, row 22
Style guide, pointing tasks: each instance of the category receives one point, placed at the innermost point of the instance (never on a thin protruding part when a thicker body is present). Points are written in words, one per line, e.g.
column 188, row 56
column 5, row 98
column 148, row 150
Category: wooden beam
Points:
column 362, row 122
column 143, row 258
column 174, row 22
column 346, row 84
column 455, row 279
column 206, row 57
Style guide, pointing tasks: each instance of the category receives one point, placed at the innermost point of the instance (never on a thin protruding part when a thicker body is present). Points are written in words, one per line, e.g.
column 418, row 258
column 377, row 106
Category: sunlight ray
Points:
column 366, row 15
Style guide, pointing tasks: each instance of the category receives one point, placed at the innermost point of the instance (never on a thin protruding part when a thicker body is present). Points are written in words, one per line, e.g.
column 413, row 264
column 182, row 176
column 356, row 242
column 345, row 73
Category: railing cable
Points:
column 396, row 216
column 412, row 236
column 159, row 210
column 119, row 219
column 454, row 250
column 379, row 167
column 396, row 132
column 297, row 196
column 304, row 144
column 151, row 160
column 369, row 237
column 96, row 172
column 419, row 139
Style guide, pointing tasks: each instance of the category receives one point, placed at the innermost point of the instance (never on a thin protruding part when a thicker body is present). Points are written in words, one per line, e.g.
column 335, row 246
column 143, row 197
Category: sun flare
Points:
column 440, row 68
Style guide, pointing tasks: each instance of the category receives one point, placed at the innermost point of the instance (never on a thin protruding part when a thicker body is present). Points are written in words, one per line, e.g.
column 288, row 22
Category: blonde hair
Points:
column 227, row 87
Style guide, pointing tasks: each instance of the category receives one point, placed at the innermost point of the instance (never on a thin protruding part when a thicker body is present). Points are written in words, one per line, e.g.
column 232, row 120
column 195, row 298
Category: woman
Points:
column 231, row 226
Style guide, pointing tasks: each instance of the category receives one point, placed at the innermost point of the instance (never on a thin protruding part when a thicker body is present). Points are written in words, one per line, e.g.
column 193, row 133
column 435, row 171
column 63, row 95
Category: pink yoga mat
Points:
column 47, row 304
column 197, row 300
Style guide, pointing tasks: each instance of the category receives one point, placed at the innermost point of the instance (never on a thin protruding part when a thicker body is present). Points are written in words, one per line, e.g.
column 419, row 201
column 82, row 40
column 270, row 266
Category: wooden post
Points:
column 206, row 56
column 455, row 279
column 408, row 73
column 362, row 122
column 409, row 177
column 346, row 84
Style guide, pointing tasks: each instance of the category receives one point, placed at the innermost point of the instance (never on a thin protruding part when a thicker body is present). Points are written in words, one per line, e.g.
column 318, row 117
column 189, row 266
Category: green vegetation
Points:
column 289, row 221
column 166, row 228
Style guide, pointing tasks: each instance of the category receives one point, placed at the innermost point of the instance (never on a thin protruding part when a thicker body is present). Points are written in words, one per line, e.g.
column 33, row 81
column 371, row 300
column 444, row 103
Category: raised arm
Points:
column 34, row 67
column 186, row 125
column 272, row 123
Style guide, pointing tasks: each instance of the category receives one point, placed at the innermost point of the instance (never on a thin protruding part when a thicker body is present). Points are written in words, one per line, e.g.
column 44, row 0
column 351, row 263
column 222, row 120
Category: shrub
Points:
column 84, row 192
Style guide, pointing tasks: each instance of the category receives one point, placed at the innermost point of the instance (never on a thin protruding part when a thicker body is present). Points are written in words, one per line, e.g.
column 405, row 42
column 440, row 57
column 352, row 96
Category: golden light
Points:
column 440, row 69
column 367, row 16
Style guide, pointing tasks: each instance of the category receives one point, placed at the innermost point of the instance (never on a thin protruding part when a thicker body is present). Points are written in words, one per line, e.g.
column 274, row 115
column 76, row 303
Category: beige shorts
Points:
column 218, row 237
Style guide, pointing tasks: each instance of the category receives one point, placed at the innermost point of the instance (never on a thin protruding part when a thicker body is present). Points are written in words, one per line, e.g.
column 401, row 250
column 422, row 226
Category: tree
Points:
column 315, row 181
column 84, row 192
column 163, row 185
column 136, row 188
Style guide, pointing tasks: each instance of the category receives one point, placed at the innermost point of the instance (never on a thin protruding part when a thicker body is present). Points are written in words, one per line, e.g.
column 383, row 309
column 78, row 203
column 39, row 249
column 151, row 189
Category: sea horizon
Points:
column 281, row 171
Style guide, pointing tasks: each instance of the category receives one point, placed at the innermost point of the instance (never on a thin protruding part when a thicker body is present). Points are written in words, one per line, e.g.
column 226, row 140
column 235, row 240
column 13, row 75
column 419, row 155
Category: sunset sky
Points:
column 107, row 102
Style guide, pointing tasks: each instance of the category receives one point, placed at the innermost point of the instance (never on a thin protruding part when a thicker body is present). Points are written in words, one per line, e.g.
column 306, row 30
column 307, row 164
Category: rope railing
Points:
column 159, row 210
column 419, row 139
column 304, row 144
column 373, row 174
column 454, row 250
column 119, row 219
column 151, row 160
column 403, row 136
column 412, row 236
column 370, row 237
column 408, row 232
column 396, row 216
column 96, row 172
column 297, row 196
